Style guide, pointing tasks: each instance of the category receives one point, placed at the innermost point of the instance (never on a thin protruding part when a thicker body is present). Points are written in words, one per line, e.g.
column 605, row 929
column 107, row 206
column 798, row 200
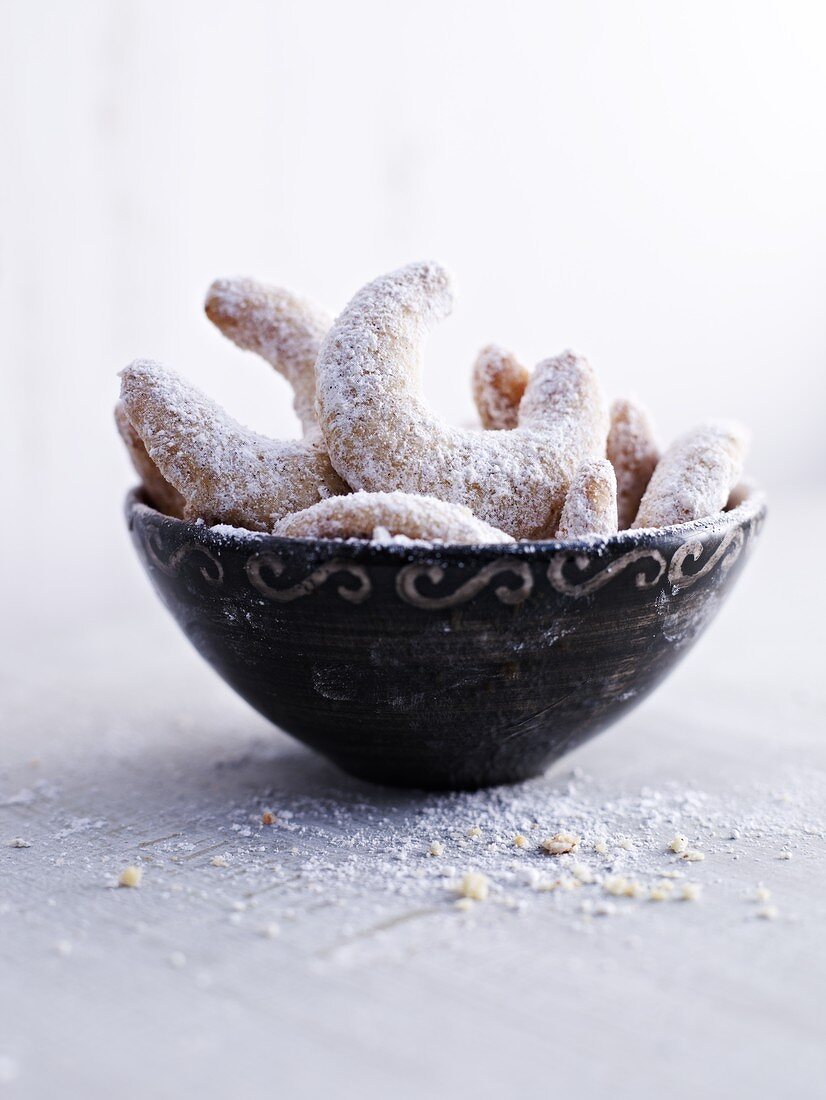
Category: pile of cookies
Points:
column 550, row 460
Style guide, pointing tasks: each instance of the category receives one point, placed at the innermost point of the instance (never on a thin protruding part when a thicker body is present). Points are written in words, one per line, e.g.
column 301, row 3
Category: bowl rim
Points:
column 750, row 509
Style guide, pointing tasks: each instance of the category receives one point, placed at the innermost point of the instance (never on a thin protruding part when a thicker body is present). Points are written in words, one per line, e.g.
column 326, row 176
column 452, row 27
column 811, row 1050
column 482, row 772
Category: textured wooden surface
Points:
column 120, row 747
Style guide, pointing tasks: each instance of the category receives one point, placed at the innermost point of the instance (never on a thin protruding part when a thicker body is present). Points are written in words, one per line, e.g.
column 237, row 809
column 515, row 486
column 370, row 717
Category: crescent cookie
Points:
column 381, row 436
column 633, row 454
column 498, row 383
column 591, row 504
column 284, row 329
column 224, row 472
column 359, row 515
column 694, row 477
column 161, row 494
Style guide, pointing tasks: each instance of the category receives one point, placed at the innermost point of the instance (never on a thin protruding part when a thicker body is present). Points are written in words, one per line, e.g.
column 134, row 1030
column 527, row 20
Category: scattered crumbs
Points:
column 219, row 861
column 621, row 887
column 692, row 855
column 601, row 848
column 520, row 841
column 474, row 886
column 678, row 844
column 768, row 912
column 691, row 891
column 546, row 885
column 271, row 931
column 267, row 817
column 785, row 854
column 130, row 876
column 583, row 873
column 177, row 960
column 560, row 843
column 474, row 832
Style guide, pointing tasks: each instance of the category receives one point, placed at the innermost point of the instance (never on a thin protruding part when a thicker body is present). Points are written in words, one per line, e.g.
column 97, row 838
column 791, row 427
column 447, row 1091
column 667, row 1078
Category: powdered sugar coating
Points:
column 633, row 453
column 164, row 496
column 591, row 504
column 359, row 515
column 381, row 436
column 498, row 383
column 225, row 473
column 278, row 325
column 694, row 477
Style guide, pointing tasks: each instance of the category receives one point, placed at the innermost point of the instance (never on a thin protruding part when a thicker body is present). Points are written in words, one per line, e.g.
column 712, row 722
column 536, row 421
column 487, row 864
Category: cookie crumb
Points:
column 436, row 848
column 678, row 844
column 130, row 876
column 691, row 891
column 692, row 855
column 267, row 817
column 219, row 861
column 785, row 854
column 762, row 893
column 560, row 843
column 601, row 848
column 768, row 912
column 19, row 842
column 662, row 891
column 520, row 841
column 474, row 832
column 474, row 886
column 464, row 905
column 621, row 887
column 626, row 843
column 583, row 873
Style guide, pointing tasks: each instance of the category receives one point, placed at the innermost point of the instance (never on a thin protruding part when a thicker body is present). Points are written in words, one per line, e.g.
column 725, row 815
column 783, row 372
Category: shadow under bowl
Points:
column 443, row 666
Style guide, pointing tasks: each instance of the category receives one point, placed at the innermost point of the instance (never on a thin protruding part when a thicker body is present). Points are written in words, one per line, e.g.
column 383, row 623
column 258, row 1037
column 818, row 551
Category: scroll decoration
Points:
column 408, row 578
column 258, row 565
column 213, row 573
column 578, row 589
column 725, row 555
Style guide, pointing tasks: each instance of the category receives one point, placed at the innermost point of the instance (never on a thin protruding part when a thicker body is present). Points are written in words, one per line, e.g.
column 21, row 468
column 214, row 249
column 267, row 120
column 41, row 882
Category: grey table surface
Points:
column 325, row 954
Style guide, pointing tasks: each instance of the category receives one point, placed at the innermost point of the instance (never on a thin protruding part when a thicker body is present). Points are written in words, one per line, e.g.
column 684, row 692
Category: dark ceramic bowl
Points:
column 443, row 667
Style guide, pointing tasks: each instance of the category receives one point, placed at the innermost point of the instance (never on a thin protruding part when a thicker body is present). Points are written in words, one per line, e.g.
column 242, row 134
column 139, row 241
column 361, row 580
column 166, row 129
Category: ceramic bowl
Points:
column 443, row 666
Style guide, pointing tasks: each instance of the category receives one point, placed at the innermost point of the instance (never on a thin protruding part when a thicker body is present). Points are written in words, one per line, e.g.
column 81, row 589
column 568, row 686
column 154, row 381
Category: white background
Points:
column 644, row 182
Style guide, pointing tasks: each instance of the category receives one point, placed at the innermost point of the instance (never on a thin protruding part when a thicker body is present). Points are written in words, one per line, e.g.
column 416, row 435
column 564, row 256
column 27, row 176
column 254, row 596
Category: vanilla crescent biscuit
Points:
column 381, row 436
column 694, row 477
column 164, row 496
column 633, row 454
column 498, row 383
column 224, row 472
column 278, row 325
column 416, row 517
column 591, row 504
